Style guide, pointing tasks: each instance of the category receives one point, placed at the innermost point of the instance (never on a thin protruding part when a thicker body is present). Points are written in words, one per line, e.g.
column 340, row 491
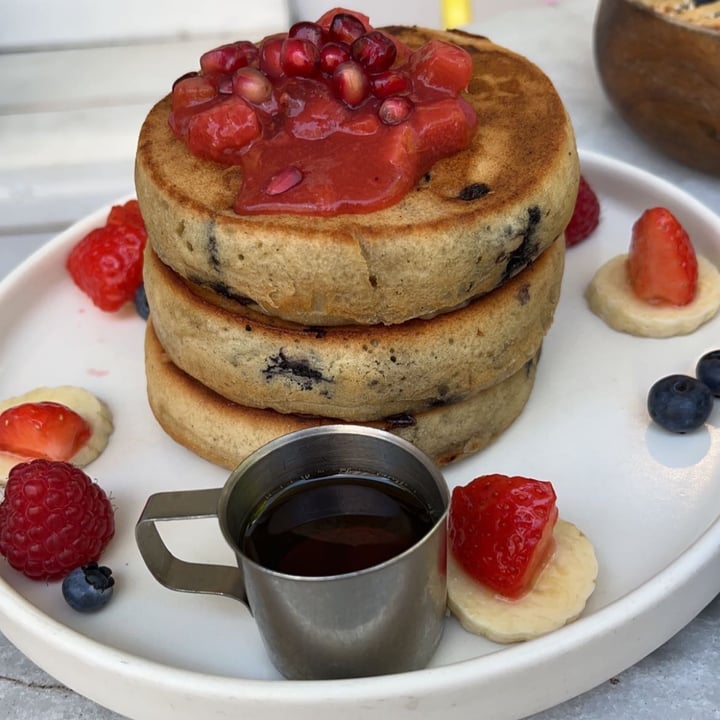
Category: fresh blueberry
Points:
column 679, row 403
column 708, row 371
column 88, row 588
column 141, row 303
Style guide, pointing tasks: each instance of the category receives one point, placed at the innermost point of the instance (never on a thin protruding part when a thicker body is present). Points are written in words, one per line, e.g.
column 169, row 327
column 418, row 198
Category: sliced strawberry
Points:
column 501, row 530
column 43, row 430
column 662, row 265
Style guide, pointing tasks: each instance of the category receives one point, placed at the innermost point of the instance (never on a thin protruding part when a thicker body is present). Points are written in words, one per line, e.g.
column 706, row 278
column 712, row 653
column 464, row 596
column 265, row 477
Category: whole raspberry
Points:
column 53, row 519
column 586, row 215
column 107, row 263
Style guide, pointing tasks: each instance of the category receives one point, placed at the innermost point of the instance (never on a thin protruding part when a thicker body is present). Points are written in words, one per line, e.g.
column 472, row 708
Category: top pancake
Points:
column 429, row 253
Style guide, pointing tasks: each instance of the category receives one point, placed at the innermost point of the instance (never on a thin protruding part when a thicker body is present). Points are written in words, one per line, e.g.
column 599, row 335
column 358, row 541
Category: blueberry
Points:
column 88, row 588
column 708, row 371
column 679, row 403
column 141, row 303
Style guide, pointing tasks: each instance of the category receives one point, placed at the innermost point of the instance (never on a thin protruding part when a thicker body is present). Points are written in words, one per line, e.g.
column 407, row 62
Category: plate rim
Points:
column 20, row 620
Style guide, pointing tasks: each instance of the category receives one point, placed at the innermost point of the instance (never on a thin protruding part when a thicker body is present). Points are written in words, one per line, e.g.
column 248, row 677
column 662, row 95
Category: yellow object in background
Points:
column 455, row 13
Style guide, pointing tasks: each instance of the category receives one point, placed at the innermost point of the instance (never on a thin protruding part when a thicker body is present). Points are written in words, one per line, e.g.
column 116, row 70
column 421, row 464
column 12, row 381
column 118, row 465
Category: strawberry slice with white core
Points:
column 43, row 430
column 46, row 442
column 662, row 265
column 501, row 530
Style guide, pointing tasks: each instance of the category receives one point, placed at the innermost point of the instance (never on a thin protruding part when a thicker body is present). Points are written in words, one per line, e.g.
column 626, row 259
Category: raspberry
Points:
column 107, row 263
column 586, row 215
column 53, row 519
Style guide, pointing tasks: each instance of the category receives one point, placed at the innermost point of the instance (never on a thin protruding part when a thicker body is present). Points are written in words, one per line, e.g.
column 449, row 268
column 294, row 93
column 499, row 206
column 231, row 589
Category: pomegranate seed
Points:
column 299, row 58
column 351, row 83
column 284, row 180
column 332, row 54
column 394, row 110
column 269, row 60
column 345, row 27
column 308, row 31
column 375, row 51
column 252, row 85
column 390, row 82
column 228, row 58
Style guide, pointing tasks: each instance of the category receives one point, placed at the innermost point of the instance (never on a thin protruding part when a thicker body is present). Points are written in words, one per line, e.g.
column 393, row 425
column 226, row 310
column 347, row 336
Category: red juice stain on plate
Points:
column 94, row 372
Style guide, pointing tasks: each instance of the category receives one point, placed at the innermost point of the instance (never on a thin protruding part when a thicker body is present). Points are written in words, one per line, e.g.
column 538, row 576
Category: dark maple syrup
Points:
column 336, row 524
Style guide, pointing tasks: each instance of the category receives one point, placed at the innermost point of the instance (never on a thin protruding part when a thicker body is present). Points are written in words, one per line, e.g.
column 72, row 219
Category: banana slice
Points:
column 84, row 403
column 558, row 597
column 611, row 297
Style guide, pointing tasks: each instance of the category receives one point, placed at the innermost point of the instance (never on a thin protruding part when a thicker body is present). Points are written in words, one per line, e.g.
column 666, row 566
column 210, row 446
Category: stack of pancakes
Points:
column 425, row 318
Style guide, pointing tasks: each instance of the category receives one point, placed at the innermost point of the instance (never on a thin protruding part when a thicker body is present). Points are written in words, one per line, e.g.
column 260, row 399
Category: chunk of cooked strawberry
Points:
column 317, row 112
column 43, row 430
column 442, row 128
column 501, row 530
column 442, row 66
column 191, row 91
column 662, row 266
column 222, row 131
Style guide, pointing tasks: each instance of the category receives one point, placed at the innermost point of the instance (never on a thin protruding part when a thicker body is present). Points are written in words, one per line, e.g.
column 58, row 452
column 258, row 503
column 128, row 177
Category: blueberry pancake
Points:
column 224, row 432
column 472, row 222
column 379, row 241
column 353, row 372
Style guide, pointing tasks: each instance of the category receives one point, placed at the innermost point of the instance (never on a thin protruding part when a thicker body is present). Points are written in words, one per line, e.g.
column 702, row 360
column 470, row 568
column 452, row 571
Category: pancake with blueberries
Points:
column 353, row 372
column 224, row 432
column 472, row 221
column 287, row 291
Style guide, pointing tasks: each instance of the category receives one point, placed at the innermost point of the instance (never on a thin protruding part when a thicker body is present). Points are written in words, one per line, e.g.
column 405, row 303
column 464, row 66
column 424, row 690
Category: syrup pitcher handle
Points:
column 171, row 571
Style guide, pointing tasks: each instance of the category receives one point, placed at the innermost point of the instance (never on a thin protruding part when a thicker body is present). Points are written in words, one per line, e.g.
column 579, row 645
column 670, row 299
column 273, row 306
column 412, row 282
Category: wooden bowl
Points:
column 663, row 78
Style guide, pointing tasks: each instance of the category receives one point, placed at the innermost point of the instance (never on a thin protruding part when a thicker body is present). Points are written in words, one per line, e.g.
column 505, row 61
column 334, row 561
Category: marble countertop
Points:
column 38, row 197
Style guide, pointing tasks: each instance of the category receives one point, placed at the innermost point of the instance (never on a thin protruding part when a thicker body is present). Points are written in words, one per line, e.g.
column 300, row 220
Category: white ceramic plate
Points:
column 649, row 500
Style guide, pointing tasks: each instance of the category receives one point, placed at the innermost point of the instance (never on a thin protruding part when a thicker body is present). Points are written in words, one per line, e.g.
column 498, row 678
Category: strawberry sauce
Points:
column 331, row 117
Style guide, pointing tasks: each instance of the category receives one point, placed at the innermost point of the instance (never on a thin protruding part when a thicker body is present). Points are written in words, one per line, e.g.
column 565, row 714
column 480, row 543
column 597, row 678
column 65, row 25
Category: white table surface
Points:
column 68, row 125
